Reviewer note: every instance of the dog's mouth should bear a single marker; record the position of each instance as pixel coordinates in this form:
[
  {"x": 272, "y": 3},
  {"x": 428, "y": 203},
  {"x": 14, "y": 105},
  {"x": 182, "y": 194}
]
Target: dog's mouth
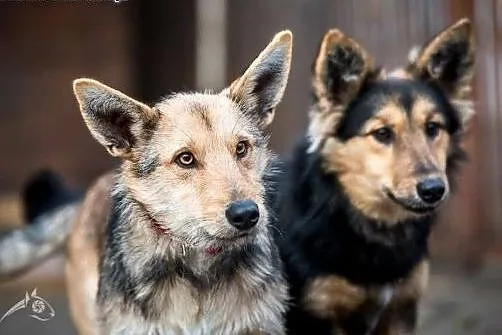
[
  {"x": 411, "y": 204},
  {"x": 236, "y": 237},
  {"x": 233, "y": 241}
]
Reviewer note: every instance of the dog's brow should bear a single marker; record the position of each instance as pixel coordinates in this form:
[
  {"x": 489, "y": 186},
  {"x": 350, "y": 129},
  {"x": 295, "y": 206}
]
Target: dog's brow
[{"x": 203, "y": 112}]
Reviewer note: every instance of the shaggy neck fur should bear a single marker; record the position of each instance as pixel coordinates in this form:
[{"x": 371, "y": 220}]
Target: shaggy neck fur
[{"x": 141, "y": 266}]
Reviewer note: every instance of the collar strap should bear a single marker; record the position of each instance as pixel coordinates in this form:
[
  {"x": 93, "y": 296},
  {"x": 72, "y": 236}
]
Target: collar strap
[{"x": 161, "y": 230}]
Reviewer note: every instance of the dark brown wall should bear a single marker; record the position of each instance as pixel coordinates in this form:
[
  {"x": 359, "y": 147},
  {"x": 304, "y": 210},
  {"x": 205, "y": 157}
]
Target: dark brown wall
[
  {"x": 143, "y": 48},
  {"x": 164, "y": 47},
  {"x": 44, "y": 47}
]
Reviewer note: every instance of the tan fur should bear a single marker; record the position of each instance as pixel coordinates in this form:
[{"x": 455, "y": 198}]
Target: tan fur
[
  {"x": 399, "y": 73},
  {"x": 366, "y": 168},
  {"x": 173, "y": 212},
  {"x": 333, "y": 297},
  {"x": 203, "y": 193},
  {"x": 83, "y": 251}
]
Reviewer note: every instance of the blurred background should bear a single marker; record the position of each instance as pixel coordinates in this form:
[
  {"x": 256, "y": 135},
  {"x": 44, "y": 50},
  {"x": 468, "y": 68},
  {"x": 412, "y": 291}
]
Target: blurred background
[{"x": 148, "y": 49}]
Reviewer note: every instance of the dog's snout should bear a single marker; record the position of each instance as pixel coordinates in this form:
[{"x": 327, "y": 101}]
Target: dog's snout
[
  {"x": 243, "y": 214},
  {"x": 431, "y": 190}
]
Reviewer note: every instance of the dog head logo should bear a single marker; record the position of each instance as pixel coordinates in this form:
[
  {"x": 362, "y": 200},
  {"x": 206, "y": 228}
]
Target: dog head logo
[{"x": 36, "y": 307}]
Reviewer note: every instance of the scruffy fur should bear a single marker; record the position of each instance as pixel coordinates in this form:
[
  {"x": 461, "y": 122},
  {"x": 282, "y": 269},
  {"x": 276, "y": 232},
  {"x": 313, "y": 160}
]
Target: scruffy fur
[
  {"x": 151, "y": 250},
  {"x": 354, "y": 228}
]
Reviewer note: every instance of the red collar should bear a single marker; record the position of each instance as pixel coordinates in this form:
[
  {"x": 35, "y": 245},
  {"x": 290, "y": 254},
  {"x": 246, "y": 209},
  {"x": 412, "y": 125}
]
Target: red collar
[{"x": 161, "y": 230}]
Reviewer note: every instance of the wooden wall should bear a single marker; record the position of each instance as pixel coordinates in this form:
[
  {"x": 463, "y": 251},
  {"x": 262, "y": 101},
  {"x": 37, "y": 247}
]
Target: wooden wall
[
  {"x": 488, "y": 18},
  {"x": 146, "y": 49},
  {"x": 44, "y": 47}
]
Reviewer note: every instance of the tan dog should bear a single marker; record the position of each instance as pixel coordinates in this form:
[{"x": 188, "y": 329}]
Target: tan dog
[{"x": 176, "y": 241}]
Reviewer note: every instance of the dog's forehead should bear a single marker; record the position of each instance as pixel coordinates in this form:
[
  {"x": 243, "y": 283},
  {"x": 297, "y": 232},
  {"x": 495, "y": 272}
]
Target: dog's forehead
[
  {"x": 397, "y": 97},
  {"x": 406, "y": 94},
  {"x": 199, "y": 114}
]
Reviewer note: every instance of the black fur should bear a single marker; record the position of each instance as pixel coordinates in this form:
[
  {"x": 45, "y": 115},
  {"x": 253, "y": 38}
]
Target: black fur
[
  {"x": 147, "y": 164},
  {"x": 337, "y": 238},
  {"x": 321, "y": 233},
  {"x": 44, "y": 192},
  {"x": 326, "y": 235},
  {"x": 373, "y": 95},
  {"x": 342, "y": 62}
]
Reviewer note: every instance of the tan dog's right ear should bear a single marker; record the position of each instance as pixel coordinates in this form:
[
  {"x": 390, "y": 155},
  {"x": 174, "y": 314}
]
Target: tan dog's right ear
[
  {"x": 114, "y": 119},
  {"x": 260, "y": 89},
  {"x": 340, "y": 68}
]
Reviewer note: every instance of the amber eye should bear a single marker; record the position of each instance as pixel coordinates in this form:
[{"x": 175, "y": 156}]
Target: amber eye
[
  {"x": 432, "y": 129},
  {"x": 186, "y": 160},
  {"x": 383, "y": 135},
  {"x": 241, "y": 149}
]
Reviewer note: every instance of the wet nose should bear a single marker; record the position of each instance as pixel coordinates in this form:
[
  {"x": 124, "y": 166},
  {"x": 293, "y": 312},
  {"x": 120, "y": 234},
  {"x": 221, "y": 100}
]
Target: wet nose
[
  {"x": 431, "y": 190},
  {"x": 243, "y": 214}
]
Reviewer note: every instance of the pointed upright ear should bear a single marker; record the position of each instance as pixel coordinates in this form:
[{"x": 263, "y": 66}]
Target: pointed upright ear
[
  {"x": 260, "y": 89},
  {"x": 115, "y": 120},
  {"x": 34, "y": 292},
  {"x": 448, "y": 61},
  {"x": 26, "y": 297},
  {"x": 340, "y": 69}
]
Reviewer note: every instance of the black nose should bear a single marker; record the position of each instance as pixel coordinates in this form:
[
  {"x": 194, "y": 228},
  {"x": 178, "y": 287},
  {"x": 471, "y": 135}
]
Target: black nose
[
  {"x": 431, "y": 190},
  {"x": 243, "y": 214}
]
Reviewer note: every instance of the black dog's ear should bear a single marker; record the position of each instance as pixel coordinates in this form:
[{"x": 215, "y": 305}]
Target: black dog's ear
[
  {"x": 448, "y": 61},
  {"x": 260, "y": 89},
  {"x": 115, "y": 120},
  {"x": 340, "y": 69}
]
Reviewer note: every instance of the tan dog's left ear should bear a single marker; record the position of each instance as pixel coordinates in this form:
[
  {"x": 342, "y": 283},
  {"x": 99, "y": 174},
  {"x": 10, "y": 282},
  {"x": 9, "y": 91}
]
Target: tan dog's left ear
[
  {"x": 448, "y": 61},
  {"x": 260, "y": 89},
  {"x": 115, "y": 120}
]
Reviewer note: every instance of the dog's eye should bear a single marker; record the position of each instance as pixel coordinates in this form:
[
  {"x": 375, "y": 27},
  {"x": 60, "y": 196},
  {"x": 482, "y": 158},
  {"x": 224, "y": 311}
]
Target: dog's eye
[
  {"x": 383, "y": 135},
  {"x": 432, "y": 129},
  {"x": 241, "y": 149},
  {"x": 185, "y": 160}
]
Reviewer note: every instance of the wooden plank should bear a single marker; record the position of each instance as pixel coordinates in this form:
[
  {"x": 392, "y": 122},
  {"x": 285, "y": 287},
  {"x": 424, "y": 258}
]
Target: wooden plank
[
  {"x": 45, "y": 47},
  {"x": 165, "y": 47}
]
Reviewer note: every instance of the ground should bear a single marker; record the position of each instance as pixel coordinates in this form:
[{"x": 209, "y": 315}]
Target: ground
[
  {"x": 456, "y": 303},
  {"x": 460, "y": 304}
]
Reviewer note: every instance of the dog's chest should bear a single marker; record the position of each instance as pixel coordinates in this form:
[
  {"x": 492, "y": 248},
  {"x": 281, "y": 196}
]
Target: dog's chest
[
  {"x": 334, "y": 298},
  {"x": 226, "y": 310},
  {"x": 351, "y": 306}
]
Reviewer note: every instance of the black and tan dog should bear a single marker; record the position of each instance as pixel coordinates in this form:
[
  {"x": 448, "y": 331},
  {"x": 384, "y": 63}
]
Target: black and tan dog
[
  {"x": 363, "y": 186},
  {"x": 178, "y": 240}
]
